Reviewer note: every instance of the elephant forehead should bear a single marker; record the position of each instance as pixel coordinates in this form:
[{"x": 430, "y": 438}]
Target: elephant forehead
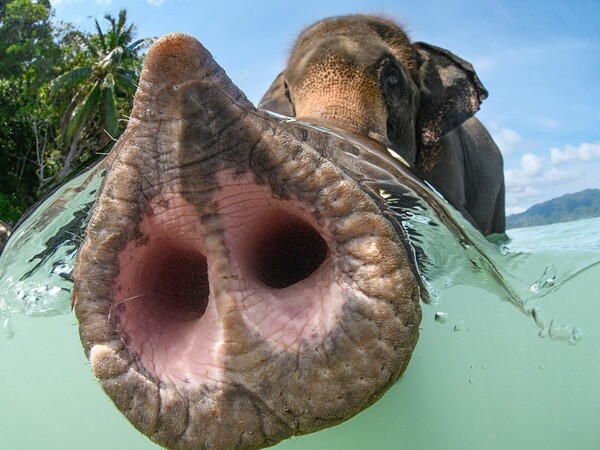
[
  {"x": 365, "y": 38},
  {"x": 333, "y": 68},
  {"x": 339, "y": 49}
]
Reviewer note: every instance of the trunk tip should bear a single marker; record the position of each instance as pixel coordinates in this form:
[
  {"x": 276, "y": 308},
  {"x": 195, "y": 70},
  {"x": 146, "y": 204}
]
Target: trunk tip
[{"x": 174, "y": 57}]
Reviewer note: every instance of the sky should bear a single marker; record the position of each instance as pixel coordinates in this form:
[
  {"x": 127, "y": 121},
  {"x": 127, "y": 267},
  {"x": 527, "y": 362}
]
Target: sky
[{"x": 539, "y": 60}]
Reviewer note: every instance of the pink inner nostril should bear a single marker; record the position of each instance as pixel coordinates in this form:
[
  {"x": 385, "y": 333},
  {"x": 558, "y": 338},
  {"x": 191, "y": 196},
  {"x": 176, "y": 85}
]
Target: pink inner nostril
[
  {"x": 271, "y": 268},
  {"x": 284, "y": 250},
  {"x": 176, "y": 281},
  {"x": 162, "y": 285},
  {"x": 164, "y": 307}
]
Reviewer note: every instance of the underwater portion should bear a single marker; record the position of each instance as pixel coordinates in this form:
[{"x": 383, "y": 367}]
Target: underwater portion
[{"x": 480, "y": 377}]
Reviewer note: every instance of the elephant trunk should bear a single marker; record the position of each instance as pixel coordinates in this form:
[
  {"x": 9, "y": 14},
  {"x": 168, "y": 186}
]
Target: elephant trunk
[{"x": 234, "y": 287}]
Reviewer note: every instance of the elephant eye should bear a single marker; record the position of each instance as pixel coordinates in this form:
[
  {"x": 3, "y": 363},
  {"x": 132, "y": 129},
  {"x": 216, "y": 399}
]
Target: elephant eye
[{"x": 391, "y": 77}]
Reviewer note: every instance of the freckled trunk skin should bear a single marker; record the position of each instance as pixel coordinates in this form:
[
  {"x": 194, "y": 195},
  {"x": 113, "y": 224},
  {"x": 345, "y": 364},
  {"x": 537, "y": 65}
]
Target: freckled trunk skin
[{"x": 192, "y": 136}]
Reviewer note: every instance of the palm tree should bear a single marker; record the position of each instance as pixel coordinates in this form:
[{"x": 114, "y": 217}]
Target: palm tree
[{"x": 103, "y": 88}]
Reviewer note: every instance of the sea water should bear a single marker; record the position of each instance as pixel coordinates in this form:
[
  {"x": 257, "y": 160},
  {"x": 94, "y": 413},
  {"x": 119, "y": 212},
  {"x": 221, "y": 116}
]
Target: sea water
[{"x": 507, "y": 356}]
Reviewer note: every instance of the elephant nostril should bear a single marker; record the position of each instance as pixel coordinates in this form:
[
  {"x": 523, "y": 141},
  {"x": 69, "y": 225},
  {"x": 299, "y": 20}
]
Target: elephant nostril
[
  {"x": 161, "y": 291},
  {"x": 286, "y": 251},
  {"x": 181, "y": 282},
  {"x": 177, "y": 282}
]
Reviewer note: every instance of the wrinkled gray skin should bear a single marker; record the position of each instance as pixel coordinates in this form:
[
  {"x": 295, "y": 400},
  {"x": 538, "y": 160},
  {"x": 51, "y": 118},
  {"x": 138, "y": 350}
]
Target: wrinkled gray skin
[
  {"x": 237, "y": 285},
  {"x": 362, "y": 73}
]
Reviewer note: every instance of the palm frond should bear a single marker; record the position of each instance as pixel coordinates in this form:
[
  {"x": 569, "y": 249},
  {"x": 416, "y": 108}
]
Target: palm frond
[
  {"x": 122, "y": 22},
  {"x": 110, "y": 108},
  {"x": 90, "y": 46},
  {"x": 126, "y": 81},
  {"x": 140, "y": 44},
  {"x": 82, "y": 112},
  {"x": 100, "y": 36},
  {"x": 113, "y": 76},
  {"x": 112, "y": 59},
  {"x": 71, "y": 78}
]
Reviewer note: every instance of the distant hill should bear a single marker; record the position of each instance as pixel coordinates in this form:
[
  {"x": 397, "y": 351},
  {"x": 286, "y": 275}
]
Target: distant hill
[{"x": 581, "y": 205}]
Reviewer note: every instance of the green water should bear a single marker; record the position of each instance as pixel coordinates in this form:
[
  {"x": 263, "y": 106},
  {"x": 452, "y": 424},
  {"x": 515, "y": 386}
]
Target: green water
[{"x": 483, "y": 379}]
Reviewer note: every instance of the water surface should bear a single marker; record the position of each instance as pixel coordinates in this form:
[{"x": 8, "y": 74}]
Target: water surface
[{"x": 507, "y": 356}]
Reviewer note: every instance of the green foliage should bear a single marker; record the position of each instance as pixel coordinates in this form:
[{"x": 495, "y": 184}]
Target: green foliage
[
  {"x": 11, "y": 208},
  {"x": 581, "y": 205},
  {"x": 26, "y": 45},
  {"x": 102, "y": 89},
  {"x": 63, "y": 95}
]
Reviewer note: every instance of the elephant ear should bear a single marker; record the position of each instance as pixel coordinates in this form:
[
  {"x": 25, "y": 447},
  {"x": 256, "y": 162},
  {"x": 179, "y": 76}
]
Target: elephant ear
[
  {"x": 451, "y": 92},
  {"x": 276, "y": 99}
]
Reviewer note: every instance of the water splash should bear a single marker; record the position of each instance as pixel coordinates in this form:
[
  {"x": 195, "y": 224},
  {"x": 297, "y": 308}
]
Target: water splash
[
  {"x": 440, "y": 317},
  {"x": 37, "y": 263},
  {"x": 444, "y": 249},
  {"x": 460, "y": 326},
  {"x": 545, "y": 282},
  {"x": 554, "y": 330},
  {"x": 7, "y": 329}
]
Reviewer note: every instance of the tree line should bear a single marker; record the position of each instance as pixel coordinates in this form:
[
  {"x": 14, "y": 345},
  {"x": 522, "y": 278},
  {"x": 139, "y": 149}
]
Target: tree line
[{"x": 65, "y": 93}]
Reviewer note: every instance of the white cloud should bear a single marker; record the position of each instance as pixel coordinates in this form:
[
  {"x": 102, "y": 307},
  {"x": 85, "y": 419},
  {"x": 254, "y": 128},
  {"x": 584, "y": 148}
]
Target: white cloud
[
  {"x": 538, "y": 177},
  {"x": 507, "y": 140},
  {"x": 155, "y": 2},
  {"x": 514, "y": 210},
  {"x": 520, "y": 196},
  {"x": 104, "y": 2},
  {"x": 584, "y": 152},
  {"x": 531, "y": 165},
  {"x": 555, "y": 175},
  {"x": 527, "y": 182},
  {"x": 531, "y": 168}
]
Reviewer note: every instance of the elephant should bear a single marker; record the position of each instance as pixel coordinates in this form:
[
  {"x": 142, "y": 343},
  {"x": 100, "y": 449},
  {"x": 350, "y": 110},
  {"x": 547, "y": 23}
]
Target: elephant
[
  {"x": 238, "y": 283},
  {"x": 362, "y": 73},
  {"x": 244, "y": 278}
]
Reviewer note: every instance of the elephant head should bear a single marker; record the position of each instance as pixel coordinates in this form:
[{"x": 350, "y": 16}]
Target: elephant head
[
  {"x": 236, "y": 285},
  {"x": 362, "y": 73}
]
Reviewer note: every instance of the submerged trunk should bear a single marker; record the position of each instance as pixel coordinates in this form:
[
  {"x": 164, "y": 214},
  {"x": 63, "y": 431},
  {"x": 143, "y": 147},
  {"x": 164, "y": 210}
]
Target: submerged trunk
[{"x": 236, "y": 287}]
